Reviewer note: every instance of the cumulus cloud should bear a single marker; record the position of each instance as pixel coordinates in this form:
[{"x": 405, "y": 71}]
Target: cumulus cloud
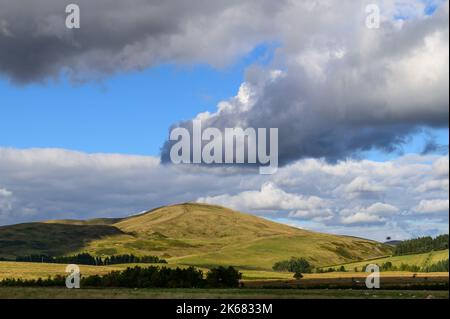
[
  {"x": 434, "y": 185},
  {"x": 368, "y": 215},
  {"x": 362, "y": 219},
  {"x": 337, "y": 88},
  {"x": 39, "y": 184},
  {"x": 441, "y": 167},
  {"x": 433, "y": 206},
  {"x": 361, "y": 186},
  {"x": 271, "y": 198},
  {"x": 381, "y": 209},
  {"x": 318, "y": 214}
]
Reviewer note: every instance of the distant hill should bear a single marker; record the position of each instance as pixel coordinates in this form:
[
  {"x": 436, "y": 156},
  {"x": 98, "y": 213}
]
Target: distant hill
[{"x": 193, "y": 234}]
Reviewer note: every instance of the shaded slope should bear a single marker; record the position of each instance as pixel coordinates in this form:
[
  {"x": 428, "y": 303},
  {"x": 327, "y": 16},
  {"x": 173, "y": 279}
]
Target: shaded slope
[{"x": 49, "y": 239}]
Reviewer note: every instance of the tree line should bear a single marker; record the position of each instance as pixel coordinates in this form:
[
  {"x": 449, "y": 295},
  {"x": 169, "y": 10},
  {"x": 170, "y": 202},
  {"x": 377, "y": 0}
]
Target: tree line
[
  {"x": 440, "y": 266},
  {"x": 422, "y": 245},
  {"x": 137, "y": 277},
  {"x": 88, "y": 259}
]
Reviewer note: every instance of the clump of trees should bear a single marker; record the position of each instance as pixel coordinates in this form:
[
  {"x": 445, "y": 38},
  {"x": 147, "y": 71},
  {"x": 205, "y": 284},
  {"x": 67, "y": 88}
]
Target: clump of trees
[
  {"x": 222, "y": 277},
  {"x": 57, "y": 281},
  {"x": 422, "y": 245},
  {"x": 325, "y": 270},
  {"x": 88, "y": 259},
  {"x": 331, "y": 269},
  {"x": 131, "y": 259},
  {"x": 441, "y": 266},
  {"x": 151, "y": 277},
  {"x": 294, "y": 265}
]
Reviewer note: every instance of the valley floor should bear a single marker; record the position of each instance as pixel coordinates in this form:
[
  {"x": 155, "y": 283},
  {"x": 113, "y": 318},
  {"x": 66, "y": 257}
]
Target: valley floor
[{"x": 63, "y": 293}]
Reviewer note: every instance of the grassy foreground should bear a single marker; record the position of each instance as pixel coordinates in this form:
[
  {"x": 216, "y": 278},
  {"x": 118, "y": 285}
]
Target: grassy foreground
[
  {"x": 63, "y": 293},
  {"x": 26, "y": 270}
]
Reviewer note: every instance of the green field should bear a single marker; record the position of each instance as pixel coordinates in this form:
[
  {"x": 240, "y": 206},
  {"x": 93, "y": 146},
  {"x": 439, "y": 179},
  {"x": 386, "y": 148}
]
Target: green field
[
  {"x": 421, "y": 260},
  {"x": 63, "y": 293}
]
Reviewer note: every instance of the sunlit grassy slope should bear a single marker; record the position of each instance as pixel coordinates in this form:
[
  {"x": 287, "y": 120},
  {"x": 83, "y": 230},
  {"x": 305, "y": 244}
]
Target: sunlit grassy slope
[
  {"x": 421, "y": 260},
  {"x": 189, "y": 234}
]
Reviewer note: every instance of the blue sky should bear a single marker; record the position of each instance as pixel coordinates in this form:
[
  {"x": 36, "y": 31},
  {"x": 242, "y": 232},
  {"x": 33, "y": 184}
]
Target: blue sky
[{"x": 129, "y": 113}]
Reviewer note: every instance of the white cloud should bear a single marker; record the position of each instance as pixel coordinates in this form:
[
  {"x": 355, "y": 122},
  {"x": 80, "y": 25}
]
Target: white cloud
[
  {"x": 314, "y": 213},
  {"x": 374, "y": 214},
  {"x": 381, "y": 209},
  {"x": 441, "y": 167},
  {"x": 434, "y": 185},
  {"x": 362, "y": 218},
  {"x": 432, "y": 206},
  {"x": 269, "y": 198},
  {"x": 38, "y": 184},
  {"x": 362, "y": 185}
]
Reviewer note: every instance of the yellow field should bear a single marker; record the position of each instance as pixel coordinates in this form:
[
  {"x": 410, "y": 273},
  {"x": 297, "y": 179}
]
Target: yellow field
[
  {"x": 25, "y": 270},
  {"x": 42, "y": 270}
]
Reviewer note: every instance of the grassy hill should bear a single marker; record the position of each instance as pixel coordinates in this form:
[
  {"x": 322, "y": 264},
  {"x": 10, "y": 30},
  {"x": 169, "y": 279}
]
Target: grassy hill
[{"x": 189, "y": 234}]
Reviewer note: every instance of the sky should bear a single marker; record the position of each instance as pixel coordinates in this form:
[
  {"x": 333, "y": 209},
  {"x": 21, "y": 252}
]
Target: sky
[{"x": 85, "y": 114}]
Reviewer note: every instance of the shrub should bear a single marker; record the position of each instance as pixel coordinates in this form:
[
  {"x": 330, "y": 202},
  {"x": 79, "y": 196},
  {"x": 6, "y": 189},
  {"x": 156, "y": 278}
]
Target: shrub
[
  {"x": 222, "y": 277},
  {"x": 294, "y": 265}
]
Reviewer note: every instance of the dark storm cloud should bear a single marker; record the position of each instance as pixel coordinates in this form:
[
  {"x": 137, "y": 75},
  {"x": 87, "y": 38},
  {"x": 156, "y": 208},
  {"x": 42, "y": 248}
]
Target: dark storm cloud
[
  {"x": 346, "y": 90},
  {"x": 343, "y": 88},
  {"x": 433, "y": 147},
  {"x": 125, "y": 35}
]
